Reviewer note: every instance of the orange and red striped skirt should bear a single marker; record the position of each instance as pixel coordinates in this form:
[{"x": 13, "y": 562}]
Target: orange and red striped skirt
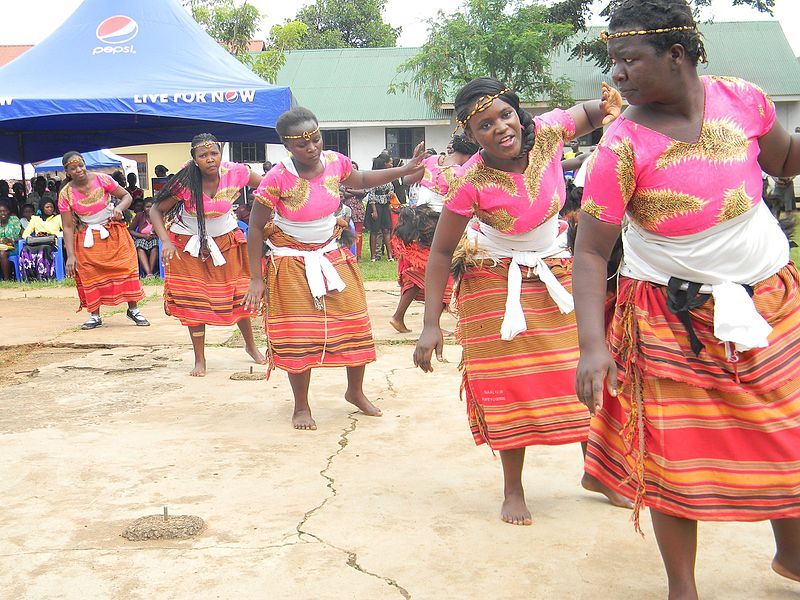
[
  {"x": 411, "y": 262},
  {"x": 303, "y": 334},
  {"x": 198, "y": 293},
  {"x": 107, "y": 274},
  {"x": 519, "y": 392},
  {"x": 701, "y": 437}
]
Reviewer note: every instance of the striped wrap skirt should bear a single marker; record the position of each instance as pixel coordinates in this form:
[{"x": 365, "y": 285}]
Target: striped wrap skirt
[
  {"x": 199, "y": 293},
  {"x": 303, "y": 333},
  {"x": 107, "y": 274},
  {"x": 519, "y": 392},
  {"x": 411, "y": 262},
  {"x": 713, "y": 436}
]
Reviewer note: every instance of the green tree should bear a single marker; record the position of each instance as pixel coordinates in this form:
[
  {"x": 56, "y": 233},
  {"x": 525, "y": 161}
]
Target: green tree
[
  {"x": 346, "y": 24},
  {"x": 282, "y": 39},
  {"x": 507, "y": 39}
]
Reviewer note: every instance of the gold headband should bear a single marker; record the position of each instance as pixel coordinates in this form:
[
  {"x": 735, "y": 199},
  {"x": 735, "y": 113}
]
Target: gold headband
[
  {"x": 74, "y": 160},
  {"x": 481, "y": 105},
  {"x": 204, "y": 144},
  {"x": 605, "y": 36},
  {"x": 306, "y": 135}
]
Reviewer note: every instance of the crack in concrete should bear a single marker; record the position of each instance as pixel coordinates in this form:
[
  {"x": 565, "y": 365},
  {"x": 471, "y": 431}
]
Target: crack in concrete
[{"x": 352, "y": 557}]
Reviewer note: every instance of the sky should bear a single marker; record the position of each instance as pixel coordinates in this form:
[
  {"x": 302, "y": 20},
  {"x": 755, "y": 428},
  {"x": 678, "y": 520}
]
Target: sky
[{"x": 31, "y": 21}]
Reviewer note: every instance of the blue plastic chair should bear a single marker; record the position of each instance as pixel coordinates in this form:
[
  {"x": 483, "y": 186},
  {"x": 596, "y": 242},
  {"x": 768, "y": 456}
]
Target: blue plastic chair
[
  {"x": 58, "y": 259},
  {"x": 243, "y": 226},
  {"x": 354, "y": 247},
  {"x": 160, "y": 262},
  {"x": 14, "y": 260}
]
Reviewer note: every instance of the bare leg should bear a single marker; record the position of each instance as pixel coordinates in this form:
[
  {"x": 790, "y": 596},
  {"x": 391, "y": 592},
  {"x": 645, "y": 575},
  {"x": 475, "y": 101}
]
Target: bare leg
[
  {"x": 355, "y": 392},
  {"x": 593, "y": 484},
  {"x": 514, "y": 509},
  {"x": 198, "y": 335},
  {"x": 387, "y": 242},
  {"x": 406, "y": 298},
  {"x": 677, "y": 541},
  {"x": 373, "y": 243},
  {"x": 787, "y": 548},
  {"x": 153, "y": 257},
  {"x": 5, "y": 264},
  {"x": 301, "y": 419},
  {"x": 144, "y": 262},
  {"x": 246, "y": 327}
]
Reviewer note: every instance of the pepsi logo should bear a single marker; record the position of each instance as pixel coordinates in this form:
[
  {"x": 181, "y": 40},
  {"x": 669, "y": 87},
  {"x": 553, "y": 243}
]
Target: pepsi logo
[
  {"x": 231, "y": 96},
  {"x": 117, "y": 30}
]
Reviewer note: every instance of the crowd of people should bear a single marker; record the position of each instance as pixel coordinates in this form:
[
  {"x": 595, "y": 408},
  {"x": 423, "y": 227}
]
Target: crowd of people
[{"x": 646, "y": 309}]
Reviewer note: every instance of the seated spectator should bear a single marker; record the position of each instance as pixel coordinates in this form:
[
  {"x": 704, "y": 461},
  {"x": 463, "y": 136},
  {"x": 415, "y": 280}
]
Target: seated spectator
[
  {"x": 20, "y": 198},
  {"x": 5, "y": 193},
  {"x": 134, "y": 190},
  {"x": 119, "y": 177},
  {"x": 10, "y": 230},
  {"x": 266, "y": 166},
  {"x": 145, "y": 240},
  {"x": 46, "y": 223},
  {"x": 27, "y": 212},
  {"x": 39, "y": 193},
  {"x": 37, "y": 259}
]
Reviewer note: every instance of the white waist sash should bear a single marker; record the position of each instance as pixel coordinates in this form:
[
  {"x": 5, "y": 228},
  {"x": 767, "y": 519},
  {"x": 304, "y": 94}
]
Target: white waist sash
[
  {"x": 96, "y": 222},
  {"x": 187, "y": 225},
  {"x": 431, "y": 198},
  {"x": 741, "y": 251},
  {"x": 529, "y": 250},
  {"x": 321, "y": 275}
]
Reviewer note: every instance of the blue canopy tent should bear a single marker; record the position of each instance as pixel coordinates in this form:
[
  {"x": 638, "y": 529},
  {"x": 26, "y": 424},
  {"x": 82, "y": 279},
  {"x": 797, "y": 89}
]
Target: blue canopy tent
[
  {"x": 96, "y": 159},
  {"x": 130, "y": 72}
]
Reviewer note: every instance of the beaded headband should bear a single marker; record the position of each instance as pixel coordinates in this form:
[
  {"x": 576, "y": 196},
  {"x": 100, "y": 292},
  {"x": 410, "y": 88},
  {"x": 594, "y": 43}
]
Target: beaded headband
[
  {"x": 74, "y": 160},
  {"x": 306, "y": 135},
  {"x": 481, "y": 105},
  {"x": 205, "y": 144},
  {"x": 605, "y": 36}
]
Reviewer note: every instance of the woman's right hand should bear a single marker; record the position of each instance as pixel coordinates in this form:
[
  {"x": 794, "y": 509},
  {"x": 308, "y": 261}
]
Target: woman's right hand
[
  {"x": 168, "y": 252},
  {"x": 254, "y": 297},
  {"x": 429, "y": 340},
  {"x": 595, "y": 369},
  {"x": 69, "y": 268}
]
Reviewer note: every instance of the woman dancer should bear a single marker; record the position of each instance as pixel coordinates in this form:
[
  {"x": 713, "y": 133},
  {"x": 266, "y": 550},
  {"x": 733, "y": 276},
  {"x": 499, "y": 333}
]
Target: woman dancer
[
  {"x": 100, "y": 253},
  {"x": 413, "y": 235},
  {"x": 206, "y": 272},
  {"x": 705, "y": 334},
  {"x": 518, "y": 367},
  {"x": 316, "y": 306}
]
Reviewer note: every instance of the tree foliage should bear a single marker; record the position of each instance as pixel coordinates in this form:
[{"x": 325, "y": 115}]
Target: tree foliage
[
  {"x": 346, "y": 24},
  {"x": 507, "y": 39},
  {"x": 282, "y": 39}
]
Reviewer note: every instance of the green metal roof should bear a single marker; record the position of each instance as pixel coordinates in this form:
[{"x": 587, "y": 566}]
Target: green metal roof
[{"x": 349, "y": 85}]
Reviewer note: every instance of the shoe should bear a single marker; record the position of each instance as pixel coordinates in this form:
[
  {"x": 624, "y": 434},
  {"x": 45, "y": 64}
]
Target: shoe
[
  {"x": 391, "y": 260},
  {"x": 137, "y": 318},
  {"x": 375, "y": 258},
  {"x": 92, "y": 323}
]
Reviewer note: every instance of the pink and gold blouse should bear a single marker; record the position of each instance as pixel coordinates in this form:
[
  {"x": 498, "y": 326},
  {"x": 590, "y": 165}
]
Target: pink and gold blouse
[
  {"x": 298, "y": 199},
  {"x": 437, "y": 177},
  {"x": 70, "y": 199},
  {"x": 676, "y": 188},
  {"x": 232, "y": 178},
  {"x": 515, "y": 203}
]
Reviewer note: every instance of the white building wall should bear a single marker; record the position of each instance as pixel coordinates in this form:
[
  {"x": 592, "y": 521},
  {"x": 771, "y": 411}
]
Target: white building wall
[{"x": 788, "y": 114}]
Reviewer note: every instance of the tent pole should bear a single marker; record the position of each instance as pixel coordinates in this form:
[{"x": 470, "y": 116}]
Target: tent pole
[{"x": 21, "y": 148}]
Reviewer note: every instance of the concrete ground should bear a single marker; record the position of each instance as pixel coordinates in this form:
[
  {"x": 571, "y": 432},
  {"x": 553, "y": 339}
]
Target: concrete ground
[{"x": 99, "y": 428}]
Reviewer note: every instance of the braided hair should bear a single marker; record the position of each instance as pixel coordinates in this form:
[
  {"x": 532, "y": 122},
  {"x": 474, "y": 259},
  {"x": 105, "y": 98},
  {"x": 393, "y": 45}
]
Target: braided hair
[
  {"x": 469, "y": 95},
  {"x": 661, "y": 14},
  {"x": 292, "y": 119},
  {"x": 462, "y": 145},
  {"x": 189, "y": 178}
]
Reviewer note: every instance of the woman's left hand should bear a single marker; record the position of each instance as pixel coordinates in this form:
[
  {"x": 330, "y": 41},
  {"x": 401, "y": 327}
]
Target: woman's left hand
[
  {"x": 414, "y": 164},
  {"x": 611, "y": 103},
  {"x": 116, "y": 214}
]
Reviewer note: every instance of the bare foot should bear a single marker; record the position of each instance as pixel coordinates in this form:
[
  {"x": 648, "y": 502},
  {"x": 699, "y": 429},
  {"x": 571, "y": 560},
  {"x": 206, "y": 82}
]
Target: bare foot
[
  {"x": 199, "y": 369},
  {"x": 593, "y": 484},
  {"x": 515, "y": 511},
  {"x": 256, "y": 355},
  {"x": 365, "y": 406},
  {"x": 783, "y": 571},
  {"x": 399, "y": 325},
  {"x": 302, "y": 419}
]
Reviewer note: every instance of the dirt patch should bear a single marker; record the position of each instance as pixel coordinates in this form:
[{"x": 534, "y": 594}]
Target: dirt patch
[
  {"x": 19, "y": 363},
  {"x": 163, "y": 527}
]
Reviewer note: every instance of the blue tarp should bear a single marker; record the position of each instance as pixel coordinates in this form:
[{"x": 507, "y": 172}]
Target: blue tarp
[
  {"x": 93, "y": 160},
  {"x": 130, "y": 72}
]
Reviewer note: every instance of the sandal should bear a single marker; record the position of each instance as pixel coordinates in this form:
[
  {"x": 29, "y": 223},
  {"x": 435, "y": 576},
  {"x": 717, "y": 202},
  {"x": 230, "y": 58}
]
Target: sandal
[
  {"x": 137, "y": 318},
  {"x": 92, "y": 323}
]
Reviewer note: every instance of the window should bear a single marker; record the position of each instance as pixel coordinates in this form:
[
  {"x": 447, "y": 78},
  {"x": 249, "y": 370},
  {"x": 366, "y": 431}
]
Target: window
[
  {"x": 401, "y": 141},
  {"x": 141, "y": 169},
  {"x": 337, "y": 140},
  {"x": 248, "y": 152}
]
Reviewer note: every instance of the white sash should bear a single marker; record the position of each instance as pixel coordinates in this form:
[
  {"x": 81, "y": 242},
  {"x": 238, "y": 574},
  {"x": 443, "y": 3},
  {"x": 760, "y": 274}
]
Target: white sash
[
  {"x": 529, "y": 250},
  {"x": 187, "y": 225},
  {"x": 741, "y": 251},
  {"x": 97, "y": 222},
  {"x": 321, "y": 275},
  {"x": 431, "y": 198}
]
